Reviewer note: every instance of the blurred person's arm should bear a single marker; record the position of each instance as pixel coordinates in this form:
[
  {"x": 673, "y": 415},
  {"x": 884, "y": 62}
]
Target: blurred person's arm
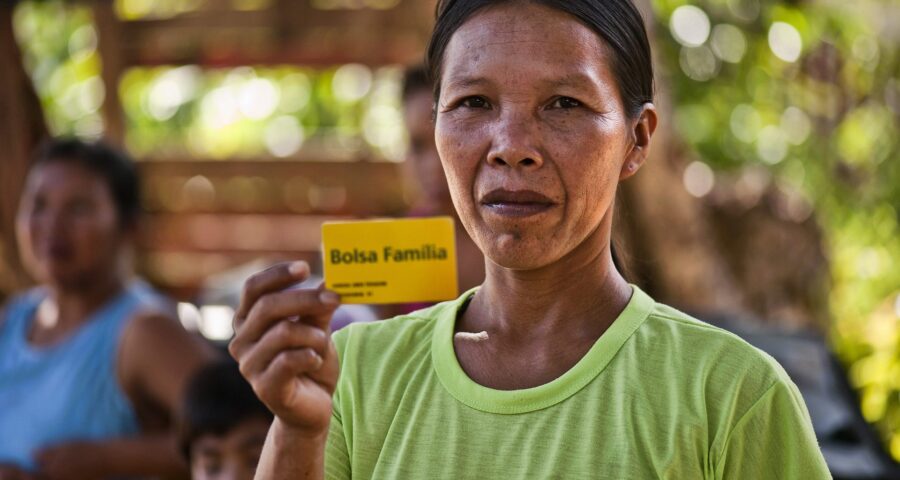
[
  {"x": 12, "y": 472},
  {"x": 146, "y": 455},
  {"x": 156, "y": 359}
]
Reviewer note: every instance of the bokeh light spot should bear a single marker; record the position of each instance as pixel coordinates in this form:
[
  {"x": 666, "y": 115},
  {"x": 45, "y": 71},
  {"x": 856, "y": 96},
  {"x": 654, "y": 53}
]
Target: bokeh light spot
[
  {"x": 785, "y": 41},
  {"x": 698, "y": 179},
  {"x": 689, "y": 25}
]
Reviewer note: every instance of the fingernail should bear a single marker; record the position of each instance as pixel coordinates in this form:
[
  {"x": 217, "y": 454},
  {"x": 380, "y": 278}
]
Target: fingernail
[
  {"x": 298, "y": 268},
  {"x": 329, "y": 298}
]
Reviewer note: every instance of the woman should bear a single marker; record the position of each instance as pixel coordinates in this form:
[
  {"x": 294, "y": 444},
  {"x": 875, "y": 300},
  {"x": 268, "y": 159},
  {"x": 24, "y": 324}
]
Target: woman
[
  {"x": 555, "y": 367},
  {"x": 423, "y": 168},
  {"x": 92, "y": 366}
]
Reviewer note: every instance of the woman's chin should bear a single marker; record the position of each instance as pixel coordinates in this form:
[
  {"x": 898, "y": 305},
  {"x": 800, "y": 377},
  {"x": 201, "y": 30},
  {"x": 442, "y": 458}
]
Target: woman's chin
[
  {"x": 520, "y": 255},
  {"x": 65, "y": 276}
]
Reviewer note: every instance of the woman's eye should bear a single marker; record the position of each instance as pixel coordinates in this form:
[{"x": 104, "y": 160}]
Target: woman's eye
[
  {"x": 38, "y": 205},
  {"x": 475, "y": 102},
  {"x": 565, "y": 102}
]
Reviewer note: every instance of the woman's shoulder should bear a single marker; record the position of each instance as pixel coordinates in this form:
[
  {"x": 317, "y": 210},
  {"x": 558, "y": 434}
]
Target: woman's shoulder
[
  {"x": 147, "y": 301},
  {"x": 711, "y": 354},
  {"x": 20, "y": 305},
  {"x": 681, "y": 327},
  {"x": 31, "y": 296},
  {"x": 746, "y": 398}
]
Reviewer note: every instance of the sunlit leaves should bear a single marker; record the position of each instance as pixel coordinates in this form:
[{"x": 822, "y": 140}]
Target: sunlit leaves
[{"x": 809, "y": 93}]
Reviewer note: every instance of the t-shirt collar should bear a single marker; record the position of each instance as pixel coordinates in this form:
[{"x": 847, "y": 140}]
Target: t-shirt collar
[{"x": 479, "y": 397}]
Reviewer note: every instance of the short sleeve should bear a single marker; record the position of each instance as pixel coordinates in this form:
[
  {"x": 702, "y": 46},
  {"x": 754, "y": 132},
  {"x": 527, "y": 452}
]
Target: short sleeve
[
  {"x": 337, "y": 454},
  {"x": 337, "y": 459},
  {"x": 774, "y": 439}
]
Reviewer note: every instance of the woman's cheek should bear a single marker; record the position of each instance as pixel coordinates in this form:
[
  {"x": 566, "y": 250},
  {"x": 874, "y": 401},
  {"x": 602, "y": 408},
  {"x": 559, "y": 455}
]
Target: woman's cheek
[
  {"x": 459, "y": 143},
  {"x": 27, "y": 233},
  {"x": 94, "y": 230}
]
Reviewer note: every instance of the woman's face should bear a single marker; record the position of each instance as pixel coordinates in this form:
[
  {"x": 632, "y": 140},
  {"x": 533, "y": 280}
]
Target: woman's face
[
  {"x": 532, "y": 133},
  {"x": 424, "y": 165},
  {"x": 67, "y": 225}
]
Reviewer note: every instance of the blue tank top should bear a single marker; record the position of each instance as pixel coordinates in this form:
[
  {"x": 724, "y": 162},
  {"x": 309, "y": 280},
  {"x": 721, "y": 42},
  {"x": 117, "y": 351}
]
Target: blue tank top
[{"x": 68, "y": 391}]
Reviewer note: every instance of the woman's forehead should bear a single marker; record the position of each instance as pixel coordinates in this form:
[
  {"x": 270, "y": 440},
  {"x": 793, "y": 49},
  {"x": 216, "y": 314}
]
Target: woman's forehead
[
  {"x": 63, "y": 176},
  {"x": 543, "y": 44}
]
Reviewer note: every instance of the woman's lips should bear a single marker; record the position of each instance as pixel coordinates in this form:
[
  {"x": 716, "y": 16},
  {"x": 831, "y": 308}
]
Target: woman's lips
[
  {"x": 518, "y": 209},
  {"x": 516, "y": 203}
]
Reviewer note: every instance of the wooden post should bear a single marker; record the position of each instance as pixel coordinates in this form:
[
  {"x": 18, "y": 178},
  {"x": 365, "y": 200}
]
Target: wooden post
[
  {"x": 21, "y": 128},
  {"x": 109, "y": 45}
]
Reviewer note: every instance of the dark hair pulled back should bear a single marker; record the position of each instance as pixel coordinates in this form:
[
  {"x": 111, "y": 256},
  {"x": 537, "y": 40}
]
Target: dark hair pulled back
[{"x": 617, "y": 22}]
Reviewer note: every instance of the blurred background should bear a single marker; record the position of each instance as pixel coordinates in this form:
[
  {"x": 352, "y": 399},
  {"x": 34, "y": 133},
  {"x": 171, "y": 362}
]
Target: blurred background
[{"x": 771, "y": 202}]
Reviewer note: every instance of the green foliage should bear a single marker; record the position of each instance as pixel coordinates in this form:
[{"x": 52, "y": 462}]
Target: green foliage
[
  {"x": 335, "y": 113},
  {"x": 825, "y": 122},
  {"x": 345, "y": 112},
  {"x": 59, "y": 48}
]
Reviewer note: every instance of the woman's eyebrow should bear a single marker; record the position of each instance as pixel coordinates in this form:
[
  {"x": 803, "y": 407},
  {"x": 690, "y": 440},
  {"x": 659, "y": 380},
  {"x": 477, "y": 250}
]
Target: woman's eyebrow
[
  {"x": 466, "y": 82},
  {"x": 571, "y": 80}
]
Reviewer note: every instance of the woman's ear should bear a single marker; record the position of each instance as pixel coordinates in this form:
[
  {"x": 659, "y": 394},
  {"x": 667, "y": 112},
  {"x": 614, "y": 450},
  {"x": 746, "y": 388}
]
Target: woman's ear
[{"x": 642, "y": 131}]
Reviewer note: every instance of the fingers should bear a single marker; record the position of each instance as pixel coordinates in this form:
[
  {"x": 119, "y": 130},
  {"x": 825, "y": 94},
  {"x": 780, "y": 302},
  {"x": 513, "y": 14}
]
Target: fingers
[
  {"x": 287, "y": 366},
  {"x": 307, "y": 304},
  {"x": 291, "y": 363},
  {"x": 311, "y": 306},
  {"x": 327, "y": 375},
  {"x": 274, "y": 278},
  {"x": 286, "y": 336}
]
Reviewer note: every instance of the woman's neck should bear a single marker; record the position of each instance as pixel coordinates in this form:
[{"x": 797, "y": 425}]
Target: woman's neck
[
  {"x": 526, "y": 328},
  {"x": 75, "y": 303},
  {"x": 580, "y": 294}
]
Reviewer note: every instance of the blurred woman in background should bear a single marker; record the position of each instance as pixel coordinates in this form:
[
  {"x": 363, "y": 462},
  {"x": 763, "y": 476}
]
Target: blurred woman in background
[
  {"x": 425, "y": 174},
  {"x": 92, "y": 363}
]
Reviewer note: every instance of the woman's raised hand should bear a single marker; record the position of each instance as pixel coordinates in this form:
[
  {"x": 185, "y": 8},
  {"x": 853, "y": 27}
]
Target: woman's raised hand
[{"x": 283, "y": 345}]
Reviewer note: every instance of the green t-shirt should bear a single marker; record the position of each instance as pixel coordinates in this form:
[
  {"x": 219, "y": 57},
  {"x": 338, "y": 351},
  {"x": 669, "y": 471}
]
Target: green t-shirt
[{"x": 659, "y": 395}]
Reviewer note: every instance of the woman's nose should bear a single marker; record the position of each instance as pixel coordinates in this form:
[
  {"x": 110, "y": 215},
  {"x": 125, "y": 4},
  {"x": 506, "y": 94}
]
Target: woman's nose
[{"x": 515, "y": 141}]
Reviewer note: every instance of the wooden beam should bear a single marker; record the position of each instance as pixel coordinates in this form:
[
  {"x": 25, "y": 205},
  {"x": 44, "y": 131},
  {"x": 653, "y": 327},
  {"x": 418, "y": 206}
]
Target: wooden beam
[
  {"x": 279, "y": 187},
  {"x": 290, "y": 32}
]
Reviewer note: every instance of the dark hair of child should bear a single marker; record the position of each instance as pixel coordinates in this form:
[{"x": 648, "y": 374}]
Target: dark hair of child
[{"x": 217, "y": 399}]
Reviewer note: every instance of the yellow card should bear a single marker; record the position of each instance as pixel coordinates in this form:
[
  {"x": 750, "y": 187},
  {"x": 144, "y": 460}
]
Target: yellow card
[{"x": 391, "y": 261}]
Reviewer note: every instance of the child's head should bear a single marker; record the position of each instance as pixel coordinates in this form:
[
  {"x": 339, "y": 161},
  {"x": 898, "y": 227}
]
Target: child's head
[{"x": 225, "y": 425}]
